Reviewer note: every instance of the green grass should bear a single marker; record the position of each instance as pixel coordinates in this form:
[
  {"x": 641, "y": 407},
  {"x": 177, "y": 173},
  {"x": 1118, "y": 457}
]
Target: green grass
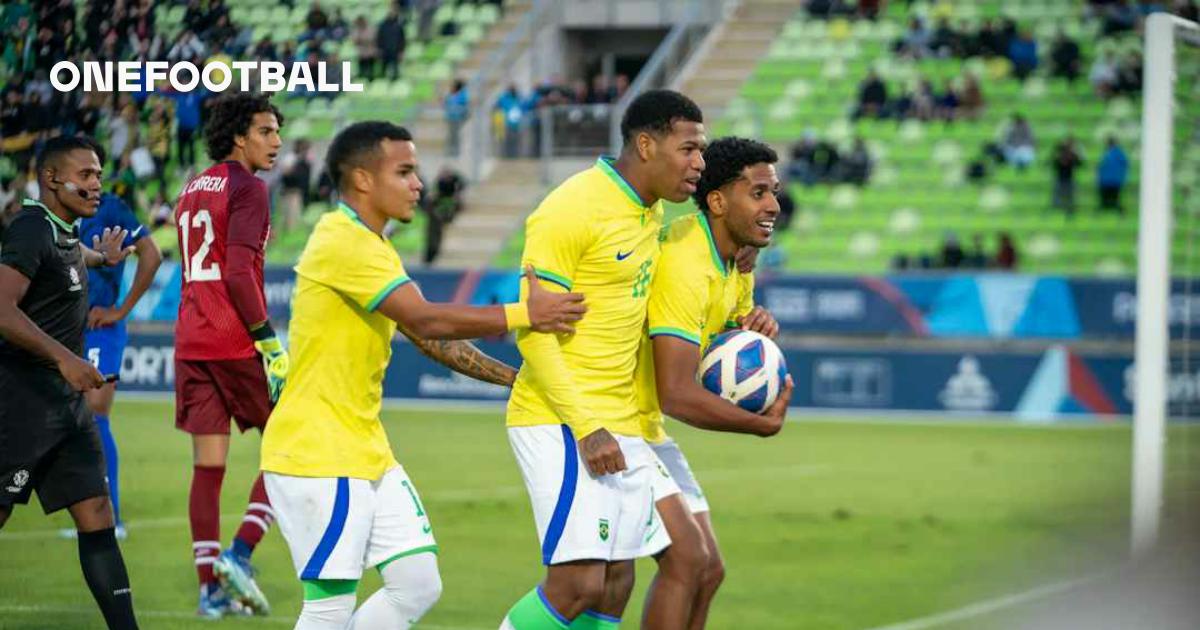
[{"x": 828, "y": 525}]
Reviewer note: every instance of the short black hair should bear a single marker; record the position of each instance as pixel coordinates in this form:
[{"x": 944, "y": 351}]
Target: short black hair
[
  {"x": 58, "y": 146},
  {"x": 724, "y": 161},
  {"x": 358, "y": 144},
  {"x": 655, "y": 111},
  {"x": 231, "y": 116}
]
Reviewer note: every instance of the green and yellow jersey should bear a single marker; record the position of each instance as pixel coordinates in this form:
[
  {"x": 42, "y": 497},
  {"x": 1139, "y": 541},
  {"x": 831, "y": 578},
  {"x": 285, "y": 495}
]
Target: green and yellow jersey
[
  {"x": 695, "y": 296},
  {"x": 592, "y": 235}
]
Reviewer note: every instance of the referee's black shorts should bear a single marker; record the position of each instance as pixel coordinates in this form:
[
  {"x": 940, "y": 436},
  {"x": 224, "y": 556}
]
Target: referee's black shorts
[{"x": 48, "y": 441}]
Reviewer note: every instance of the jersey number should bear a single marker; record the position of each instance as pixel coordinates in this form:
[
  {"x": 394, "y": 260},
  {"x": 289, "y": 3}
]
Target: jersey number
[{"x": 193, "y": 266}]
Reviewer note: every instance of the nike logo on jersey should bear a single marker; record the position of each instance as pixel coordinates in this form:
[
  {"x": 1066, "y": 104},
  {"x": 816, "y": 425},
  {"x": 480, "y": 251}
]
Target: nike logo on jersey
[
  {"x": 623, "y": 256},
  {"x": 136, "y": 232}
]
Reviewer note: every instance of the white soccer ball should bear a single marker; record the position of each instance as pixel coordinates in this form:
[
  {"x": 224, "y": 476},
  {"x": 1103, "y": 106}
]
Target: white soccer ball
[{"x": 745, "y": 368}]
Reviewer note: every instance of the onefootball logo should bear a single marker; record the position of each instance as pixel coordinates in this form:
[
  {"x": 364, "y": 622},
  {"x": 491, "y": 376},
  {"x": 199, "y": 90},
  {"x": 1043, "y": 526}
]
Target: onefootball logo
[{"x": 217, "y": 76}]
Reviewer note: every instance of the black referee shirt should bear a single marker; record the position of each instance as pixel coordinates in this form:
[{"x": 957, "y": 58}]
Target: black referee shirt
[{"x": 46, "y": 250}]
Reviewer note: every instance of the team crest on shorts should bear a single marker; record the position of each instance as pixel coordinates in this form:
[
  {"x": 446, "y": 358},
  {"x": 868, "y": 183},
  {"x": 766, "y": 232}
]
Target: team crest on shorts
[
  {"x": 604, "y": 529},
  {"x": 19, "y": 479}
]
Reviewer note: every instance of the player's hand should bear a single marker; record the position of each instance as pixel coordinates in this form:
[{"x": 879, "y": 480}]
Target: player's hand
[
  {"x": 276, "y": 364},
  {"x": 551, "y": 312},
  {"x": 773, "y": 417},
  {"x": 746, "y": 259},
  {"x": 103, "y": 317},
  {"x": 601, "y": 453},
  {"x": 82, "y": 375},
  {"x": 761, "y": 321},
  {"x": 108, "y": 245}
]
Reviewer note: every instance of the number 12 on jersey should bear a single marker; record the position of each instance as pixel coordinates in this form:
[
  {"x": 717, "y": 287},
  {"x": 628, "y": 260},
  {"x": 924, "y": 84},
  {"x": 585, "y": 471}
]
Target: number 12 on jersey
[{"x": 194, "y": 269}]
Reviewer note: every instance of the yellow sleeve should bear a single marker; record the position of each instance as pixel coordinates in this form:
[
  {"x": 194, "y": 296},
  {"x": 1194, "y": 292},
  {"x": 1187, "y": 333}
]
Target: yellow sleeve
[
  {"x": 363, "y": 271},
  {"x": 554, "y": 244},
  {"x": 745, "y": 295},
  {"x": 677, "y": 301},
  {"x": 555, "y": 240}
]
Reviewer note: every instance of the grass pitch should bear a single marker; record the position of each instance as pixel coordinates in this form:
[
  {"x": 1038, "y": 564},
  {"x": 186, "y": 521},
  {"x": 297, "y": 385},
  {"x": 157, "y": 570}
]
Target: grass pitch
[{"x": 828, "y": 525}]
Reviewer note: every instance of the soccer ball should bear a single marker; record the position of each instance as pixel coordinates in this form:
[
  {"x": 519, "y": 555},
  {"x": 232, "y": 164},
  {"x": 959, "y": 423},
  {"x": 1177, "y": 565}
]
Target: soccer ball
[{"x": 745, "y": 368}]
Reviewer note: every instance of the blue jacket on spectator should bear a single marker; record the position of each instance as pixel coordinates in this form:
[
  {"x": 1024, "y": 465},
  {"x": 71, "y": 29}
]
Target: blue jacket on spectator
[
  {"x": 1023, "y": 53},
  {"x": 1114, "y": 167}
]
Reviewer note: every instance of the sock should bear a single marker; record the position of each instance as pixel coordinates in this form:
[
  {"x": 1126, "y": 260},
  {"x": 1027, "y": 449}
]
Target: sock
[
  {"x": 411, "y": 586},
  {"x": 534, "y": 612},
  {"x": 104, "y": 570},
  {"x": 256, "y": 522},
  {"x": 328, "y": 604},
  {"x": 592, "y": 620},
  {"x": 204, "y": 511},
  {"x": 111, "y": 462}
]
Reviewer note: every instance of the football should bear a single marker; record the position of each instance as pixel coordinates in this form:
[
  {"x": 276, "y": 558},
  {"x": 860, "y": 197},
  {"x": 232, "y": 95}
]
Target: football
[{"x": 745, "y": 368}]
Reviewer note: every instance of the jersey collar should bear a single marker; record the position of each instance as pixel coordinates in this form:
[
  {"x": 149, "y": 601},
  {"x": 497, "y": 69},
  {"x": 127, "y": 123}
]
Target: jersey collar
[
  {"x": 345, "y": 209},
  {"x": 712, "y": 244},
  {"x": 54, "y": 218},
  {"x": 606, "y": 164}
]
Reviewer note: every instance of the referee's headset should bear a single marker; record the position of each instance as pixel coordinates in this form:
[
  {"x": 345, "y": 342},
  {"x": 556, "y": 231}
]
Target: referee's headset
[{"x": 73, "y": 187}]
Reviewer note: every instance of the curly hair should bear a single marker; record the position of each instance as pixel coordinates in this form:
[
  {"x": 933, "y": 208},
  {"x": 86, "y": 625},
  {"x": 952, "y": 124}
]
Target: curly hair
[
  {"x": 725, "y": 159},
  {"x": 231, "y": 116},
  {"x": 655, "y": 111}
]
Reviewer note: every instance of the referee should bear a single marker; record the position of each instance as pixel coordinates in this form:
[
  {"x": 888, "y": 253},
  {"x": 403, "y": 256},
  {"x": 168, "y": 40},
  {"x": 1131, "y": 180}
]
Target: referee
[{"x": 48, "y": 441}]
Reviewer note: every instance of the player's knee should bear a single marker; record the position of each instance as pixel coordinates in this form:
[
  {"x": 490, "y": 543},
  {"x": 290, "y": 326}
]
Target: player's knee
[
  {"x": 714, "y": 573},
  {"x": 686, "y": 561},
  {"x": 588, "y": 591},
  {"x": 413, "y": 584},
  {"x": 326, "y": 612}
]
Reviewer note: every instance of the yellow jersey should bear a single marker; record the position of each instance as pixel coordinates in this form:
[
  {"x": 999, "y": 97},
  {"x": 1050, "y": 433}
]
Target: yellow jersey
[
  {"x": 592, "y": 235},
  {"x": 326, "y": 423},
  {"x": 695, "y": 296}
]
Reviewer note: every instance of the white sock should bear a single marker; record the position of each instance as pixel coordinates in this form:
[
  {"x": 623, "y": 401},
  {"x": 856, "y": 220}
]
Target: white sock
[
  {"x": 411, "y": 586},
  {"x": 329, "y": 613},
  {"x": 506, "y": 625}
]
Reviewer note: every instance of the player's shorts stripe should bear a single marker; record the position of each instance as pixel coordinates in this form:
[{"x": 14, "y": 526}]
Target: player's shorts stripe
[
  {"x": 550, "y": 276},
  {"x": 392, "y": 286},
  {"x": 667, "y": 331},
  {"x": 566, "y": 496},
  {"x": 341, "y": 507}
]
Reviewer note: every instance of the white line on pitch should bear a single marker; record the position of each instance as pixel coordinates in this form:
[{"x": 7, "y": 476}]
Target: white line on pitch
[
  {"x": 177, "y": 614},
  {"x": 990, "y": 605}
]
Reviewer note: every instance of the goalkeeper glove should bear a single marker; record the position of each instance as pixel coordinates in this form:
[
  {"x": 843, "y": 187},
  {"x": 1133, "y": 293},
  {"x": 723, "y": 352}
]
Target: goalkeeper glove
[{"x": 275, "y": 358}]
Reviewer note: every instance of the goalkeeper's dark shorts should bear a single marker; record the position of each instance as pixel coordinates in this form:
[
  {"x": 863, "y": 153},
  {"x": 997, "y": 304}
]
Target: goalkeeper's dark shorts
[
  {"x": 209, "y": 393},
  {"x": 48, "y": 440}
]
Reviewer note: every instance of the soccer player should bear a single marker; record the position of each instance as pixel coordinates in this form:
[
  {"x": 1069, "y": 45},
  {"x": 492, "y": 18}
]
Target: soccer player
[
  {"x": 48, "y": 441},
  {"x": 105, "y": 338},
  {"x": 699, "y": 292},
  {"x": 573, "y": 416},
  {"x": 342, "y": 500},
  {"x": 223, "y": 219}
]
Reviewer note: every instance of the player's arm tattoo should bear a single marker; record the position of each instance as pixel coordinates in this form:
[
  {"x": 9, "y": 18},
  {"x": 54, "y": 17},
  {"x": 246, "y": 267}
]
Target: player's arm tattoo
[{"x": 463, "y": 357}]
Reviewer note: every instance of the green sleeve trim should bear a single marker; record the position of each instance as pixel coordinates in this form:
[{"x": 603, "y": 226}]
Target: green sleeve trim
[
  {"x": 382, "y": 295},
  {"x": 668, "y": 331},
  {"x": 324, "y": 589},
  {"x": 732, "y": 324},
  {"x": 550, "y": 276},
  {"x": 411, "y": 552}
]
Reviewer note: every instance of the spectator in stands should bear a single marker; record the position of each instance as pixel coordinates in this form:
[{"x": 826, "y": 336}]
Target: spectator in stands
[
  {"x": 122, "y": 134},
  {"x": 1186, "y": 9},
  {"x": 1023, "y": 53},
  {"x": 1103, "y": 75},
  {"x": 977, "y": 170},
  {"x": 824, "y": 9},
  {"x": 296, "y": 169},
  {"x": 1006, "y": 253},
  {"x": 856, "y": 165},
  {"x": 1129, "y": 75},
  {"x": 1018, "y": 144},
  {"x": 425, "y": 12},
  {"x": 945, "y": 41},
  {"x": 872, "y": 97},
  {"x": 948, "y": 102},
  {"x": 869, "y": 9},
  {"x": 802, "y": 165},
  {"x": 1066, "y": 161},
  {"x": 457, "y": 106},
  {"x": 952, "y": 251},
  {"x": 971, "y": 103},
  {"x": 1111, "y": 174},
  {"x": 988, "y": 42},
  {"x": 186, "y": 47},
  {"x": 188, "y": 111},
  {"x": 511, "y": 108},
  {"x": 265, "y": 50},
  {"x": 442, "y": 206},
  {"x": 787, "y": 207},
  {"x": 390, "y": 38},
  {"x": 363, "y": 37},
  {"x": 1064, "y": 58},
  {"x": 977, "y": 258},
  {"x": 826, "y": 161},
  {"x": 159, "y": 124},
  {"x": 1119, "y": 17},
  {"x": 915, "y": 41},
  {"x": 922, "y": 102},
  {"x": 316, "y": 22}
]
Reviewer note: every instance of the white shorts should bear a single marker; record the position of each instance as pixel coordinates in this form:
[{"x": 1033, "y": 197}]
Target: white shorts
[
  {"x": 581, "y": 517},
  {"x": 672, "y": 457},
  {"x": 336, "y": 526}
]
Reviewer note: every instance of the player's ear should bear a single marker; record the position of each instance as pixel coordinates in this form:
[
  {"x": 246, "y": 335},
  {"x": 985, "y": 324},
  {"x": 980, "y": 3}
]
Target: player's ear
[
  {"x": 716, "y": 202},
  {"x": 646, "y": 146},
  {"x": 361, "y": 180}
]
